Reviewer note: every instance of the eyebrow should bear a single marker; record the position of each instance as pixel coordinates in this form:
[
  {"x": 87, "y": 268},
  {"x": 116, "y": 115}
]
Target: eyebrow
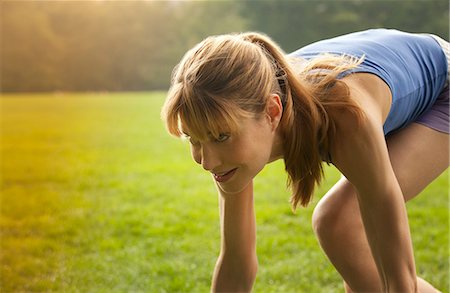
[{"x": 209, "y": 134}]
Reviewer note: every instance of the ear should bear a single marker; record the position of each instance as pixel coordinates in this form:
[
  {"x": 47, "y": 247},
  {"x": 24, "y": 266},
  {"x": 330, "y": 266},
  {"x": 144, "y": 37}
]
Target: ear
[{"x": 274, "y": 110}]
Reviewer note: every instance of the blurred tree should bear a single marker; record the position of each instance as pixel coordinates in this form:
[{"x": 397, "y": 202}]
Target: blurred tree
[
  {"x": 30, "y": 51},
  {"x": 118, "y": 46},
  {"x": 121, "y": 45},
  {"x": 297, "y": 23}
]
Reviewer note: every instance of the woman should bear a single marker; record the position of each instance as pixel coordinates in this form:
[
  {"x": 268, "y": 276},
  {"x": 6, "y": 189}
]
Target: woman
[{"x": 372, "y": 103}]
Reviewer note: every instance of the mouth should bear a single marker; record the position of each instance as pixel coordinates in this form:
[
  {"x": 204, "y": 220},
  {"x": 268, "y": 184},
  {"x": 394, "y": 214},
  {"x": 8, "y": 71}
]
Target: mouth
[{"x": 223, "y": 177}]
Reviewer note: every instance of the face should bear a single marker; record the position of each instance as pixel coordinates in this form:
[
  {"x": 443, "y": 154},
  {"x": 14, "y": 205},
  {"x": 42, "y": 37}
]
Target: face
[{"x": 234, "y": 160}]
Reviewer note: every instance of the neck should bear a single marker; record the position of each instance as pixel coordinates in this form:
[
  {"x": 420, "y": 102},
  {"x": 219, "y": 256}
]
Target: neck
[{"x": 277, "y": 149}]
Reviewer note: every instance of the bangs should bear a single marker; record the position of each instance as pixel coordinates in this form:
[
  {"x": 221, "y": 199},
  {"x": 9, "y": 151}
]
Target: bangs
[{"x": 201, "y": 116}]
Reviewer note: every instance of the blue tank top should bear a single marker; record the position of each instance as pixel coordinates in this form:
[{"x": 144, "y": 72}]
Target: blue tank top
[{"x": 412, "y": 65}]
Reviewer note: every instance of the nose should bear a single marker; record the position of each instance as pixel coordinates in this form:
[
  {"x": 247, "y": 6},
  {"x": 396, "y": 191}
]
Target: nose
[{"x": 205, "y": 156}]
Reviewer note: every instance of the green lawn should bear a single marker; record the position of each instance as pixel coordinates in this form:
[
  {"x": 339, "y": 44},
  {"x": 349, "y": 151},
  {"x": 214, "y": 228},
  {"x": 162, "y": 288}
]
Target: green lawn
[{"x": 96, "y": 197}]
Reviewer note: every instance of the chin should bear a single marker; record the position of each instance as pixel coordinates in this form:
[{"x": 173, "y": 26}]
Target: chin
[
  {"x": 239, "y": 181},
  {"x": 233, "y": 187}
]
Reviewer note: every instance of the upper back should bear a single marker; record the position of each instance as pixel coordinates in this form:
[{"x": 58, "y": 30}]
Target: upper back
[{"x": 412, "y": 65}]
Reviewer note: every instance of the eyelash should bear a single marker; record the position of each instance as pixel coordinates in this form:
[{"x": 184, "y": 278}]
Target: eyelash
[
  {"x": 192, "y": 141},
  {"x": 222, "y": 138}
]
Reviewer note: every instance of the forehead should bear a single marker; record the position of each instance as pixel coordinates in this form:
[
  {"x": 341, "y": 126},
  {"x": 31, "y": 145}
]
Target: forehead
[
  {"x": 243, "y": 125},
  {"x": 206, "y": 129}
]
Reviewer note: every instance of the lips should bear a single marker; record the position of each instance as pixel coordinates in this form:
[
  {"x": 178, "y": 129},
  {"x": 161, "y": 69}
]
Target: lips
[{"x": 224, "y": 176}]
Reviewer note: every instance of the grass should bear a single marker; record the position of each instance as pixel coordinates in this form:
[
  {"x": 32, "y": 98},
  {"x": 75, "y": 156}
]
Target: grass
[{"x": 96, "y": 197}]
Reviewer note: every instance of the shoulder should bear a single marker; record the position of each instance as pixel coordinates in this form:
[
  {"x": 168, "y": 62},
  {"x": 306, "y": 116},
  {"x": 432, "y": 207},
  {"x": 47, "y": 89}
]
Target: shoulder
[
  {"x": 372, "y": 96},
  {"x": 371, "y": 93}
]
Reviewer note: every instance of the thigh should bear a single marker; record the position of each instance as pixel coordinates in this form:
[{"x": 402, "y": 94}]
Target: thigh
[{"x": 418, "y": 155}]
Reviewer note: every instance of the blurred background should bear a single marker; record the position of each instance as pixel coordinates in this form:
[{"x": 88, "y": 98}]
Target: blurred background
[
  {"x": 133, "y": 45},
  {"x": 95, "y": 196}
]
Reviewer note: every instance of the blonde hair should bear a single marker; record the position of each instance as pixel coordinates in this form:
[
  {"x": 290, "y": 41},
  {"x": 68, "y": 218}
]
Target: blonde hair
[{"x": 227, "y": 77}]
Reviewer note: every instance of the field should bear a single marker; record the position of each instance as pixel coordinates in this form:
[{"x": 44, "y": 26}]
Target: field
[{"x": 96, "y": 197}]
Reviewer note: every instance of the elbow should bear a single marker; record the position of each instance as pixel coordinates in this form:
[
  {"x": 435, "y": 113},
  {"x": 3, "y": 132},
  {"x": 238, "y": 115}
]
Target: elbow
[
  {"x": 248, "y": 279},
  {"x": 246, "y": 276},
  {"x": 252, "y": 271},
  {"x": 405, "y": 282},
  {"x": 235, "y": 274}
]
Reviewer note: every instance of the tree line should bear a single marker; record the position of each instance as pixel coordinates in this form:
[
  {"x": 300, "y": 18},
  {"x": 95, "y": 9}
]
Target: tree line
[{"x": 133, "y": 46}]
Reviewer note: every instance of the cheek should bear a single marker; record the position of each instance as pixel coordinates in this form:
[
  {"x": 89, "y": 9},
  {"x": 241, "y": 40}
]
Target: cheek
[
  {"x": 256, "y": 151},
  {"x": 262, "y": 139}
]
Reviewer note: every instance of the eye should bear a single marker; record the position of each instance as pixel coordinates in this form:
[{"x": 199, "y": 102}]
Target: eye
[
  {"x": 193, "y": 141},
  {"x": 222, "y": 137},
  {"x": 190, "y": 139}
]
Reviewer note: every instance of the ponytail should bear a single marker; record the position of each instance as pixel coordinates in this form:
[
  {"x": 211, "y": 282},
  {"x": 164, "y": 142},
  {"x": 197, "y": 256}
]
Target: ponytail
[{"x": 307, "y": 129}]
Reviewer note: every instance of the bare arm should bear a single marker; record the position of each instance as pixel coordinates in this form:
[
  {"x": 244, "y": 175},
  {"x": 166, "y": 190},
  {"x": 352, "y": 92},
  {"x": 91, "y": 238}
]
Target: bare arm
[
  {"x": 236, "y": 266},
  {"x": 362, "y": 156}
]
